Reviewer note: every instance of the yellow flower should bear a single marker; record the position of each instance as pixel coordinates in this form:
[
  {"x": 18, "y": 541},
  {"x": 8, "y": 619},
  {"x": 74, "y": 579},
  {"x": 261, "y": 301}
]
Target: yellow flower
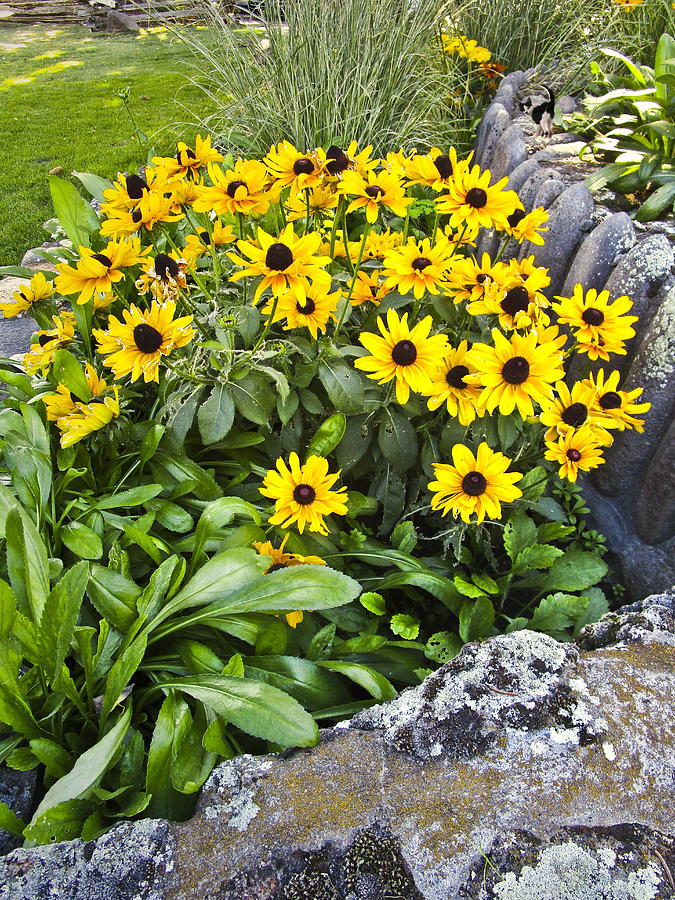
[
  {"x": 575, "y": 451},
  {"x": 150, "y": 210},
  {"x": 474, "y": 484},
  {"x": 517, "y": 301},
  {"x": 41, "y": 355},
  {"x": 435, "y": 169},
  {"x": 599, "y": 327},
  {"x": 630, "y": 4},
  {"x": 134, "y": 347},
  {"x": 322, "y": 199},
  {"x": 615, "y": 408},
  {"x": 197, "y": 245},
  {"x": 282, "y": 560},
  {"x": 288, "y": 167},
  {"x": 460, "y": 45},
  {"x": 244, "y": 189},
  {"x": 128, "y": 190},
  {"x": 515, "y": 372},
  {"x": 64, "y": 403},
  {"x": 303, "y": 494},
  {"x": 311, "y": 311},
  {"x": 448, "y": 385},
  {"x": 189, "y": 161},
  {"x": 471, "y": 200},
  {"x": 28, "y": 294},
  {"x": 524, "y": 226},
  {"x": 339, "y": 161},
  {"x": 406, "y": 354},
  {"x": 417, "y": 266},
  {"x": 467, "y": 279},
  {"x": 87, "y": 418},
  {"x": 379, "y": 244},
  {"x": 95, "y": 273},
  {"x": 369, "y": 288},
  {"x": 163, "y": 277},
  {"x": 572, "y": 410},
  {"x": 374, "y": 191},
  {"x": 285, "y": 263}
]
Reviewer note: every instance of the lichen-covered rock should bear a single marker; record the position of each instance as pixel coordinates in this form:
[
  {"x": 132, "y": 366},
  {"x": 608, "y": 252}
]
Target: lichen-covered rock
[
  {"x": 521, "y": 174},
  {"x": 652, "y": 619},
  {"x": 521, "y": 751},
  {"x": 17, "y": 791},
  {"x": 528, "y": 192}
]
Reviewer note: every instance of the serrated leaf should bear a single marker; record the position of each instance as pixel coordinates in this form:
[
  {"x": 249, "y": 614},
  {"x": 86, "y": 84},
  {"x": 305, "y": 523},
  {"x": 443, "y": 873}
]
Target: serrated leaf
[
  {"x": 114, "y": 596},
  {"x": 466, "y": 588},
  {"x": 556, "y": 612},
  {"x": 59, "y": 618},
  {"x": 520, "y": 532},
  {"x": 62, "y": 822},
  {"x": 216, "y": 415},
  {"x": 374, "y": 603},
  {"x": 121, "y": 674},
  {"x": 576, "y": 570},
  {"x": 27, "y": 562},
  {"x": 538, "y": 556},
  {"x": 476, "y": 618},
  {"x": 405, "y": 626},
  {"x": 487, "y": 584},
  {"x": 9, "y": 821},
  {"x": 443, "y": 646}
]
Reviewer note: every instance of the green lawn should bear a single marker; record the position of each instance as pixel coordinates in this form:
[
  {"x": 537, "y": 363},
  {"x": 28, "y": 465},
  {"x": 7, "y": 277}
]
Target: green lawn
[{"x": 58, "y": 96}]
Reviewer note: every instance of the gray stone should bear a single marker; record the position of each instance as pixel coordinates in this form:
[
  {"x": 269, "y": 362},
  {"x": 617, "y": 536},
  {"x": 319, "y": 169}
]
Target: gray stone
[
  {"x": 15, "y": 335},
  {"x": 509, "y": 153},
  {"x": 549, "y": 191},
  {"x": 530, "y": 751},
  {"x": 652, "y": 619},
  {"x": 33, "y": 260},
  {"x": 514, "y": 80},
  {"x": 505, "y": 96},
  {"x": 495, "y": 122},
  {"x": 570, "y": 217},
  {"x": 533, "y": 185},
  {"x": 652, "y": 369},
  {"x": 17, "y": 791},
  {"x": 600, "y": 252},
  {"x": 119, "y": 21},
  {"x": 655, "y": 508},
  {"x": 646, "y": 568},
  {"x": 521, "y": 174},
  {"x": 566, "y": 104}
]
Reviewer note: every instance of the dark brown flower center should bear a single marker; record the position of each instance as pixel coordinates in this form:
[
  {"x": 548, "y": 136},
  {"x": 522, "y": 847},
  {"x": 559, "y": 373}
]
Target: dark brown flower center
[
  {"x": 306, "y": 308},
  {"x": 404, "y": 353},
  {"x": 166, "y": 266},
  {"x": 482, "y": 278},
  {"x": 374, "y": 191},
  {"x": 147, "y": 338},
  {"x": 136, "y": 216},
  {"x": 420, "y": 263},
  {"x": 278, "y": 257},
  {"x": 516, "y": 217},
  {"x": 593, "y": 316},
  {"x": 443, "y": 165},
  {"x": 304, "y": 494},
  {"x": 516, "y": 300},
  {"x": 610, "y": 400},
  {"x": 103, "y": 259},
  {"x": 574, "y": 455},
  {"x": 185, "y": 157},
  {"x": 303, "y": 166},
  {"x": 455, "y": 377},
  {"x": 205, "y": 237},
  {"x": 516, "y": 370},
  {"x": 337, "y": 160},
  {"x": 477, "y": 198},
  {"x": 474, "y": 484},
  {"x": 135, "y": 187},
  {"x": 275, "y": 568},
  {"x": 45, "y": 339},
  {"x": 234, "y": 186},
  {"x": 575, "y": 415}
]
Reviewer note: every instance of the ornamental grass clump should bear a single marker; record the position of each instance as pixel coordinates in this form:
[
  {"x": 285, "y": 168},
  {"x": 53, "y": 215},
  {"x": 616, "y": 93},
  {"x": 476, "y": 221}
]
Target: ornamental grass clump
[{"x": 259, "y": 389}]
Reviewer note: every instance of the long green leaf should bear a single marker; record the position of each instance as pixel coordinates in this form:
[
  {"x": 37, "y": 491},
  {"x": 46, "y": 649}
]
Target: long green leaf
[
  {"x": 27, "y": 562},
  {"x": 114, "y": 596},
  {"x": 59, "y": 618},
  {"x": 217, "y": 515},
  {"x": 376, "y": 684},
  {"x": 174, "y": 721},
  {"x": 73, "y": 212}
]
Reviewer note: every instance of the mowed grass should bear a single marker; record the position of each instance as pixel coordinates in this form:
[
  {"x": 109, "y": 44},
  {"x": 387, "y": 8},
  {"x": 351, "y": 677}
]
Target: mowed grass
[{"x": 59, "y": 107}]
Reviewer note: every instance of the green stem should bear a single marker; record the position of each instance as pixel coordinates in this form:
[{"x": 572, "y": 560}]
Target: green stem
[{"x": 353, "y": 281}]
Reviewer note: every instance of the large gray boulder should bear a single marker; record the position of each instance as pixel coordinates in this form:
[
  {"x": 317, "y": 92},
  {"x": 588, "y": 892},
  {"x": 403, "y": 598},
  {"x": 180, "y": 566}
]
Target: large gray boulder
[{"x": 524, "y": 769}]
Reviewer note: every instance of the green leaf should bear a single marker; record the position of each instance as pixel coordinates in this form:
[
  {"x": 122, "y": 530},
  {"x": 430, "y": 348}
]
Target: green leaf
[
  {"x": 174, "y": 471},
  {"x": 16, "y": 271},
  {"x": 556, "y": 612},
  {"x": 507, "y": 431},
  {"x": 596, "y": 609},
  {"x": 438, "y": 586},
  {"x": 73, "y": 212},
  {"x": 404, "y": 537},
  {"x": 59, "y": 618},
  {"x": 27, "y": 562},
  {"x": 575, "y": 571},
  {"x": 9, "y": 821},
  {"x": 68, "y": 371},
  {"x": 533, "y": 483},
  {"x": 133, "y": 497},
  {"x": 82, "y": 541},
  {"x": 397, "y": 439},
  {"x": 62, "y": 822},
  {"x": 407, "y": 627},
  {"x": 466, "y": 588},
  {"x": 487, "y": 584},
  {"x": 162, "y": 579},
  {"x": 390, "y": 491},
  {"x": 369, "y": 679},
  {"x": 328, "y": 435},
  {"x": 88, "y": 769},
  {"x": 273, "y": 639},
  {"x": 150, "y": 441},
  {"x": 114, "y": 596},
  {"x": 170, "y": 516},
  {"x": 538, "y": 556},
  {"x": 310, "y": 684},
  {"x": 356, "y": 440},
  {"x": 374, "y": 603},
  {"x": 656, "y": 203},
  {"x": 216, "y": 416},
  {"x": 121, "y": 674},
  {"x": 94, "y": 184},
  {"x": 254, "y": 707},
  {"x": 321, "y": 644},
  {"x": 520, "y": 532},
  {"x": 234, "y": 667},
  {"x": 254, "y": 398},
  {"x": 173, "y": 723},
  {"x": 55, "y": 758},
  {"x": 343, "y": 385},
  {"x": 443, "y": 646},
  {"x": 217, "y": 515},
  {"x": 476, "y": 619},
  {"x": 193, "y": 764}
]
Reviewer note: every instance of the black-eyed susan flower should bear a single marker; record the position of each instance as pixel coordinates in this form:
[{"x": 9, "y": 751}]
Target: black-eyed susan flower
[
  {"x": 524, "y": 226},
  {"x": 599, "y": 326},
  {"x": 312, "y": 311},
  {"x": 616, "y": 408},
  {"x": 435, "y": 169},
  {"x": 378, "y": 244},
  {"x": 630, "y": 4},
  {"x": 321, "y": 200},
  {"x": 405, "y": 354},
  {"x": 417, "y": 266},
  {"x": 576, "y": 451},
  {"x": 514, "y": 372},
  {"x": 290, "y": 168},
  {"x": 449, "y": 386},
  {"x": 474, "y": 484},
  {"x": 518, "y": 302},
  {"x": 152, "y": 209},
  {"x": 471, "y": 200},
  {"x": 88, "y": 417},
  {"x": 339, "y": 161},
  {"x": 197, "y": 245},
  {"x": 96, "y": 272},
  {"x": 188, "y": 161},
  {"x": 286, "y": 262},
  {"x": 468, "y": 279},
  {"x": 303, "y": 495},
  {"x": 369, "y": 287},
  {"x": 41, "y": 354},
  {"x": 37, "y": 289},
  {"x": 135, "y": 347},
  {"x": 244, "y": 189},
  {"x": 374, "y": 191},
  {"x": 128, "y": 190},
  {"x": 280, "y": 559},
  {"x": 163, "y": 276},
  {"x": 570, "y": 410}
]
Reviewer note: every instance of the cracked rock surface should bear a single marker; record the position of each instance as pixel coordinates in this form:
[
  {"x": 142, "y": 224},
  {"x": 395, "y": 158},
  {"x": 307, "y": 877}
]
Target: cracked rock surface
[{"x": 524, "y": 769}]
